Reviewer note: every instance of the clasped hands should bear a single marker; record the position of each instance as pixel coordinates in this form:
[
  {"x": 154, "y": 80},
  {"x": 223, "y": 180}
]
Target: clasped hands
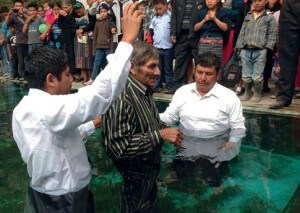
[{"x": 210, "y": 15}]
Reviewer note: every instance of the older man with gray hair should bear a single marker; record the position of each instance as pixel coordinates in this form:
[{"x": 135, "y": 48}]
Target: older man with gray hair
[{"x": 133, "y": 135}]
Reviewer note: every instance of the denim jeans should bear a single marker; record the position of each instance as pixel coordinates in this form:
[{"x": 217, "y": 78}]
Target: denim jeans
[
  {"x": 165, "y": 66},
  {"x": 253, "y": 64},
  {"x": 5, "y": 60},
  {"x": 33, "y": 46},
  {"x": 100, "y": 60}
]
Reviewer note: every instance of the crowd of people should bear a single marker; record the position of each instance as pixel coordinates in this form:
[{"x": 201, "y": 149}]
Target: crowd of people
[
  {"x": 181, "y": 30},
  {"x": 50, "y": 49}
]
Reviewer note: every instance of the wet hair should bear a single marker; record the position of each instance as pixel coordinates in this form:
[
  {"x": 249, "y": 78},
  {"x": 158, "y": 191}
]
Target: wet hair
[
  {"x": 42, "y": 61},
  {"x": 142, "y": 51},
  {"x": 209, "y": 59},
  {"x": 33, "y": 4},
  {"x": 4, "y": 9},
  {"x": 155, "y": 2},
  {"x": 18, "y": 1}
]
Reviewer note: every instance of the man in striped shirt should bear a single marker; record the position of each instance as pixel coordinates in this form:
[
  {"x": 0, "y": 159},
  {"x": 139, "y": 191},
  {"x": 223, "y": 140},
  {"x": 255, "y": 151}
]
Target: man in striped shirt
[{"x": 133, "y": 135}]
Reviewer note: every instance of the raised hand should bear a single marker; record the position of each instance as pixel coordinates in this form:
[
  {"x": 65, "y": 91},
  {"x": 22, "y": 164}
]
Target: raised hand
[{"x": 131, "y": 22}]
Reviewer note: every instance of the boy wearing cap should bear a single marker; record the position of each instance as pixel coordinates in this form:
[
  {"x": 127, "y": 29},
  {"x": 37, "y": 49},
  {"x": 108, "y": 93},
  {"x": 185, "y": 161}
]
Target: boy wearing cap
[{"x": 102, "y": 40}]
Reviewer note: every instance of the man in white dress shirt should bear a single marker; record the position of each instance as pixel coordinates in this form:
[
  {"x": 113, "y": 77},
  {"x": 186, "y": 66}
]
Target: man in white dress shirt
[
  {"x": 46, "y": 121},
  {"x": 211, "y": 119}
]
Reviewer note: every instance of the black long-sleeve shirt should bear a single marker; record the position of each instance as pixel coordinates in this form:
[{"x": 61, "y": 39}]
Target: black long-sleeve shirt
[{"x": 67, "y": 24}]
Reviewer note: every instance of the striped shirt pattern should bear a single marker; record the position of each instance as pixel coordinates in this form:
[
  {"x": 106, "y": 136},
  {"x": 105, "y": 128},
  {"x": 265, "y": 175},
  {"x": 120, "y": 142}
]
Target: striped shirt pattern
[
  {"x": 130, "y": 128},
  {"x": 260, "y": 32}
]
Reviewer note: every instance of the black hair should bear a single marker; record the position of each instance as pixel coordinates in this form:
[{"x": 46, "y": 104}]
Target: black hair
[
  {"x": 19, "y": 1},
  {"x": 11, "y": 25},
  {"x": 56, "y": 3},
  {"x": 42, "y": 61},
  {"x": 144, "y": 3},
  {"x": 155, "y": 2},
  {"x": 219, "y": 5},
  {"x": 209, "y": 59},
  {"x": 33, "y": 4},
  {"x": 4, "y": 9},
  {"x": 50, "y": 3}
]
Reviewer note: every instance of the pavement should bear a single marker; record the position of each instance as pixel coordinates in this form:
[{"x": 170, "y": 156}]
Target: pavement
[{"x": 261, "y": 107}]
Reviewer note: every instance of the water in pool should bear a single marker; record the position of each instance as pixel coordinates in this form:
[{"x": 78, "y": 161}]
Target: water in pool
[{"x": 264, "y": 177}]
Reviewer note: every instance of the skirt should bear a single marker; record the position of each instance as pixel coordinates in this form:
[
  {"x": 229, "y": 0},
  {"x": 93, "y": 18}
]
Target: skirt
[
  {"x": 210, "y": 44},
  {"x": 84, "y": 52}
]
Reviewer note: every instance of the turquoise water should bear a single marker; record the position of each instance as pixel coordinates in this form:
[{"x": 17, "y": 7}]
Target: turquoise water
[{"x": 263, "y": 178}]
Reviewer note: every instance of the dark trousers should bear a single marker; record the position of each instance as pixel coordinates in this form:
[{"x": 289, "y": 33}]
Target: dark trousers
[
  {"x": 211, "y": 172},
  {"x": 185, "y": 48},
  {"x": 289, "y": 46},
  {"x": 140, "y": 189},
  {"x": 22, "y": 51},
  {"x": 165, "y": 66},
  {"x": 268, "y": 68},
  {"x": 81, "y": 201},
  {"x": 69, "y": 49},
  {"x": 14, "y": 64}
]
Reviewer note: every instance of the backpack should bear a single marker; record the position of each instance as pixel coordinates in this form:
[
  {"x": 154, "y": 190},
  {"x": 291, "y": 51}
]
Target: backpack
[{"x": 232, "y": 72}]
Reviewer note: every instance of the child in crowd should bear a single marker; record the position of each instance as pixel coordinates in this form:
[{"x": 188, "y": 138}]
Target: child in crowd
[
  {"x": 55, "y": 32},
  {"x": 67, "y": 24},
  {"x": 41, "y": 12},
  {"x": 258, "y": 34},
  {"x": 212, "y": 22},
  {"x": 160, "y": 30},
  {"x": 141, "y": 7},
  {"x": 49, "y": 16},
  {"x": 12, "y": 50},
  {"x": 4, "y": 52},
  {"x": 32, "y": 23},
  {"x": 102, "y": 41},
  {"x": 17, "y": 17},
  {"x": 85, "y": 24}
]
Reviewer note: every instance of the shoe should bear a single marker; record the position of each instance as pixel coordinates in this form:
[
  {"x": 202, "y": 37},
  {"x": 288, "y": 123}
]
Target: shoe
[
  {"x": 273, "y": 96},
  {"x": 279, "y": 104},
  {"x": 157, "y": 90},
  {"x": 266, "y": 89},
  {"x": 257, "y": 92},
  {"x": 247, "y": 93}
]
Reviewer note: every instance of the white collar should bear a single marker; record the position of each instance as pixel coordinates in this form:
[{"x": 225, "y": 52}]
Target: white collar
[{"x": 215, "y": 91}]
